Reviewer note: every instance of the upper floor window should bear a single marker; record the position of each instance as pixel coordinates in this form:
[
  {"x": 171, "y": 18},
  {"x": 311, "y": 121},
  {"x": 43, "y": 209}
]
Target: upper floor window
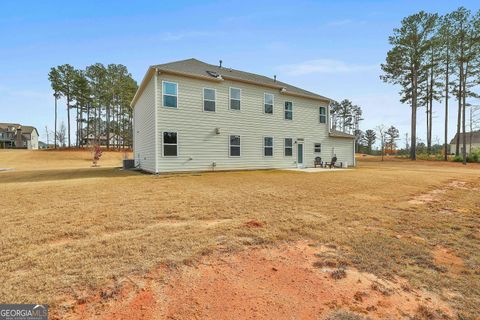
[
  {"x": 288, "y": 110},
  {"x": 268, "y": 146},
  {"x": 268, "y": 103},
  {"x": 234, "y": 146},
  {"x": 317, "y": 148},
  {"x": 288, "y": 144},
  {"x": 209, "y": 99},
  {"x": 235, "y": 97},
  {"x": 170, "y": 94},
  {"x": 323, "y": 114},
  {"x": 170, "y": 144}
]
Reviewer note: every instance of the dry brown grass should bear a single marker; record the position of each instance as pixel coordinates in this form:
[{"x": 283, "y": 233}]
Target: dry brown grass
[
  {"x": 21, "y": 160},
  {"x": 65, "y": 231}
]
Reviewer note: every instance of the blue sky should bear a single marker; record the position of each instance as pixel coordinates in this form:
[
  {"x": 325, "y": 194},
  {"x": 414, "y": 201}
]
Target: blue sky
[{"x": 333, "y": 48}]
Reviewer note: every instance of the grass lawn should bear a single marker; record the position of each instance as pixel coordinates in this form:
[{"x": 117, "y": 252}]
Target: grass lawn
[{"x": 68, "y": 228}]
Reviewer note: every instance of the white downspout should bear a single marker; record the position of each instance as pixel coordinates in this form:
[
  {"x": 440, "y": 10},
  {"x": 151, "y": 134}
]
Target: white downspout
[{"x": 156, "y": 119}]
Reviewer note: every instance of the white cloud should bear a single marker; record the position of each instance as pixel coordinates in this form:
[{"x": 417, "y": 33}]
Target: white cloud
[{"x": 323, "y": 66}]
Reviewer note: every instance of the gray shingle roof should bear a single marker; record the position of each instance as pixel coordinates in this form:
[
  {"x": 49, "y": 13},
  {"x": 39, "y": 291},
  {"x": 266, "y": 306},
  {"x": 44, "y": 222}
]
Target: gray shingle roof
[
  {"x": 25, "y": 129},
  {"x": 475, "y": 137},
  {"x": 199, "y": 68},
  {"x": 340, "y": 134}
]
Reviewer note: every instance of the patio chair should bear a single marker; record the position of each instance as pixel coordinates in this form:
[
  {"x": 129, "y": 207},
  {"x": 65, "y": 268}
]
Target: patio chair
[
  {"x": 332, "y": 163},
  {"x": 318, "y": 162}
]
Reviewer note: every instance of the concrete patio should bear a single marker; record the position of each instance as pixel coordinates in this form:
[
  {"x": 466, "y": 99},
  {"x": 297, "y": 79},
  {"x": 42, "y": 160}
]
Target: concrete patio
[{"x": 315, "y": 170}]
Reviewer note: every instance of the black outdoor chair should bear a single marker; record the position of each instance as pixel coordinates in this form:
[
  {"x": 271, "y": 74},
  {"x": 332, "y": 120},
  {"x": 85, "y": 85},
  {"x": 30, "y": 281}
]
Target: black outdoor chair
[
  {"x": 318, "y": 162},
  {"x": 332, "y": 163}
]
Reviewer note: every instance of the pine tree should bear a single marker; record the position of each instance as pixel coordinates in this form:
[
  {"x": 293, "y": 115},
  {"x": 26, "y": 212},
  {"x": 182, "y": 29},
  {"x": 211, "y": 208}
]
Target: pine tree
[{"x": 405, "y": 62}]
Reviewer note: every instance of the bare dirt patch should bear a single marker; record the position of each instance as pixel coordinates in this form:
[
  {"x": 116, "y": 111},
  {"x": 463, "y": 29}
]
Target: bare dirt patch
[
  {"x": 436, "y": 194},
  {"x": 268, "y": 283},
  {"x": 446, "y": 258}
]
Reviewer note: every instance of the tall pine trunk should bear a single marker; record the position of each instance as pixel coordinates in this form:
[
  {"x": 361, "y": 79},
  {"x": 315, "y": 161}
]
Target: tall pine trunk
[
  {"x": 413, "y": 149},
  {"x": 459, "y": 115},
  {"x": 464, "y": 109},
  {"x": 446, "y": 107},
  {"x": 430, "y": 112},
  {"x": 68, "y": 117},
  {"x": 56, "y": 116},
  {"x": 108, "y": 125}
]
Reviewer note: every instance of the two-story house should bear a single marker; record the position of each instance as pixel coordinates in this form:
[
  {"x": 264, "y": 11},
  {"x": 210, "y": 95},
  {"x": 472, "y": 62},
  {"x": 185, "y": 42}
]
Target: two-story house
[
  {"x": 194, "y": 116},
  {"x": 14, "y": 135}
]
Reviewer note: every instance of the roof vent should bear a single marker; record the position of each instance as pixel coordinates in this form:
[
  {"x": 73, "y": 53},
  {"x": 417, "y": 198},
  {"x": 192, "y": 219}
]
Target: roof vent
[
  {"x": 220, "y": 63},
  {"x": 215, "y": 74},
  {"x": 275, "y": 78}
]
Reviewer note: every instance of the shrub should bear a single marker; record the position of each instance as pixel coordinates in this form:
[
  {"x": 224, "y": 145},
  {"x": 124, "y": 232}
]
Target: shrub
[{"x": 457, "y": 159}]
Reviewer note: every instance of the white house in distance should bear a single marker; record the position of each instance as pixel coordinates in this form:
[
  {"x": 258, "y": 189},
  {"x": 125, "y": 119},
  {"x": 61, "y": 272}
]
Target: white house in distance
[{"x": 194, "y": 116}]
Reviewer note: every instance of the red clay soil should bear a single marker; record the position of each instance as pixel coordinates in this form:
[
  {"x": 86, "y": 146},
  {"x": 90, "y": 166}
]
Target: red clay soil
[{"x": 263, "y": 283}]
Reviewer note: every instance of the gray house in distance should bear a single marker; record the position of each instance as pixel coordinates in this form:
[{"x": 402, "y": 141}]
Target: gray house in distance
[
  {"x": 14, "y": 135},
  {"x": 194, "y": 116},
  {"x": 473, "y": 142}
]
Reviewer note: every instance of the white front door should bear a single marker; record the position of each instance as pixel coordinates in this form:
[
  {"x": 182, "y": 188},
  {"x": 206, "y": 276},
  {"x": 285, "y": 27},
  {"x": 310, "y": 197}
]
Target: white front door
[{"x": 300, "y": 155}]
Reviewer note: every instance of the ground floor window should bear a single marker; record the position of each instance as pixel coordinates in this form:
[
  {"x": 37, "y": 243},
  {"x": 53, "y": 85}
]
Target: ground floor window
[
  {"x": 317, "y": 148},
  {"x": 234, "y": 146},
  {"x": 288, "y": 147},
  {"x": 170, "y": 144},
  {"x": 268, "y": 146}
]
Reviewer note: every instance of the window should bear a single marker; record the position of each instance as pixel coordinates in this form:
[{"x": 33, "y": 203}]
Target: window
[
  {"x": 234, "y": 146},
  {"x": 323, "y": 115},
  {"x": 288, "y": 110},
  {"x": 288, "y": 144},
  {"x": 170, "y": 145},
  {"x": 170, "y": 94},
  {"x": 268, "y": 103},
  {"x": 235, "y": 97},
  {"x": 208, "y": 99},
  {"x": 268, "y": 146},
  {"x": 317, "y": 148}
]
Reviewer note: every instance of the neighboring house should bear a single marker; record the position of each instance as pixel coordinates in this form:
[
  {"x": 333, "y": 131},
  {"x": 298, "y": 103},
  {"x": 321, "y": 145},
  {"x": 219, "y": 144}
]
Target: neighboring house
[
  {"x": 193, "y": 116},
  {"x": 14, "y": 135},
  {"x": 101, "y": 140},
  {"x": 473, "y": 142}
]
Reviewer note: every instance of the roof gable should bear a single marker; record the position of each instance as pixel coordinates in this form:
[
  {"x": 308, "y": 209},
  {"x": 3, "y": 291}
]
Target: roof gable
[{"x": 475, "y": 137}]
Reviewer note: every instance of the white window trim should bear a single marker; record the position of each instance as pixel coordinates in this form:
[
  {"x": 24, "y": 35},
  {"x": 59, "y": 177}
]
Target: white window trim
[
  {"x": 273, "y": 103},
  {"x": 170, "y": 144},
  {"x": 273, "y": 147},
  {"x": 203, "y": 100},
  {"x": 285, "y": 146},
  {"x": 315, "y": 149},
  {"x": 285, "y": 110},
  {"x": 230, "y": 145},
  {"x": 322, "y": 115},
  {"x": 171, "y": 95},
  {"x": 230, "y": 99}
]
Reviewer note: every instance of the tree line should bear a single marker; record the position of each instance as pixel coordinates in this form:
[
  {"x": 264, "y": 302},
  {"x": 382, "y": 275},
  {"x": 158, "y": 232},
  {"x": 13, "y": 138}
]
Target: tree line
[
  {"x": 434, "y": 58},
  {"x": 98, "y": 98},
  {"x": 346, "y": 117}
]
